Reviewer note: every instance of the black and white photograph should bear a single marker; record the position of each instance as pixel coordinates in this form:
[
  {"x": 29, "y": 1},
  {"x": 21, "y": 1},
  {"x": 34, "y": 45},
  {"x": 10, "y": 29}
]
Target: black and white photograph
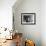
[{"x": 28, "y": 18}]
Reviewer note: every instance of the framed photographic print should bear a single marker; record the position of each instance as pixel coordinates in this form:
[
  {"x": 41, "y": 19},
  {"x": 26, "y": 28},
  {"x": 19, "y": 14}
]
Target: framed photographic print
[{"x": 28, "y": 18}]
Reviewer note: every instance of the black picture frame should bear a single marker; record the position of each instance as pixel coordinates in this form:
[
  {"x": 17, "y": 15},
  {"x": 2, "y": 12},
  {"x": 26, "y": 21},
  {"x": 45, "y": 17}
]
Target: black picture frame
[{"x": 28, "y": 18}]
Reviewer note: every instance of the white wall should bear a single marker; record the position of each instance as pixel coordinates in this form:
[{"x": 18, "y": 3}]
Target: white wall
[
  {"x": 43, "y": 22},
  {"x": 6, "y": 13},
  {"x": 30, "y": 31}
]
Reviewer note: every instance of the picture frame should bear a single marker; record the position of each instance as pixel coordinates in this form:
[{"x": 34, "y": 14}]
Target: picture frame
[{"x": 28, "y": 18}]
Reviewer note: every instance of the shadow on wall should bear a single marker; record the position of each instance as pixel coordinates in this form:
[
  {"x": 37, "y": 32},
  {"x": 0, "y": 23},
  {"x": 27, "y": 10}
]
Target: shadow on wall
[
  {"x": 17, "y": 19},
  {"x": 17, "y": 4}
]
